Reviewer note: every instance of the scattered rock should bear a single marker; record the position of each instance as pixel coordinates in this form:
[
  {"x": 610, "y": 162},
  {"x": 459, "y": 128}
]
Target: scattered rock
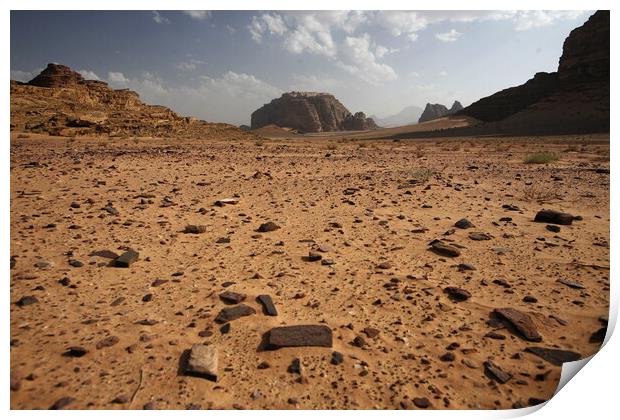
[
  {"x": 268, "y": 306},
  {"x": 464, "y": 224},
  {"x": 444, "y": 249},
  {"x": 496, "y": 373},
  {"x": 26, "y": 300},
  {"x": 232, "y": 313},
  {"x": 457, "y": 294},
  {"x": 62, "y": 403},
  {"x": 232, "y": 297},
  {"x": 195, "y": 229},
  {"x": 203, "y": 362},
  {"x": 337, "y": 358},
  {"x": 479, "y": 236},
  {"x": 300, "y": 335},
  {"x": 422, "y": 402},
  {"x": 126, "y": 259},
  {"x": 268, "y": 227},
  {"x": 521, "y": 322},
  {"x": 554, "y": 356},
  {"x": 75, "y": 351},
  {"x": 554, "y": 217},
  {"x": 572, "y": 284},
  {"x": 107, "y": 342}
]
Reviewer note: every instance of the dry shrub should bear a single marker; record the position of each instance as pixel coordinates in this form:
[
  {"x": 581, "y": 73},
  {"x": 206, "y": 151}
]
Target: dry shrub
[
  {"x": 259, "y": 143},
  {"x": 541, "y": 157},
  {"x": 540, "y": 194},
  {"x": 332, "y": 146}
]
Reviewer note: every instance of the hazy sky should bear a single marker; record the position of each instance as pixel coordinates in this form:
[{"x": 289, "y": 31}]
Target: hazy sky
[{"x": 222, "y": 65}]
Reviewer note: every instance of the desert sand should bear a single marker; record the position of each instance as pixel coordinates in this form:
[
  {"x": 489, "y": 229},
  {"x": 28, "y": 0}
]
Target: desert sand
[{"x": 88, "y": 335}]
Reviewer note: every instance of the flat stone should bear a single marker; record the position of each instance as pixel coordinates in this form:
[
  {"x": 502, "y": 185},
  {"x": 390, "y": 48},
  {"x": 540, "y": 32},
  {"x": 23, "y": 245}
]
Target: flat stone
[
  {"x": 107, "y": 342},
  {"x": 203, "y": 361},
  {"x": 62, "y": 403},
  {"x": 457, "y": 294},
  {"x": 496, "y": 373},
  {"x": 444, "y": 249},
  {"x": 313, "y": 256},
  {"x": 268, "y": 227},
  {"x": 268, "y": 306},
  {"x": 232, "y": 297},
  {"x": 300, "y": 336},
  {"x": 554, "y": 356},
  {"x": 195, "y": 229},
  {"x": 234, "y": 312},
  {"x": 75, "y": 351},
  {"x": 26, "y": 300},
  {"x": 572, "y": 284},
  {"x": 555, "y": 217},
  {"x": 479, "y": 236},
  {"x": 126, "y": 259},
  {"x": 371, "y": 332},
  {"x": 111, "y": 210},
  {"x": 226, "y": 201},
  {"x": 421, "y": 402},
  {"x": 521, "y": 322}
]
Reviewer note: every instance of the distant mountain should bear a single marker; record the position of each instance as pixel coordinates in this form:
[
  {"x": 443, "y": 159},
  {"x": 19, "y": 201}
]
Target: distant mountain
[
  {"x": 310, "y": 112},
  {"x": 574, "y": 99},
  {"x": 433, "y": 111},
  {"x": 409, "y": 115}
]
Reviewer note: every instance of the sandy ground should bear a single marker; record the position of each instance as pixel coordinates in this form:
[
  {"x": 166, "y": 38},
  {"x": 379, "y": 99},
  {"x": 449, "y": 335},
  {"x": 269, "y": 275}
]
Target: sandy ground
[{"x": 366, "y": 203}]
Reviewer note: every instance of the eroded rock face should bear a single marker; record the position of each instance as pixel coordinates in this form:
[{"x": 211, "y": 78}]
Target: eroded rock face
[
  {"x": 59, "y": 101},
  {"x": 310, "y": 112},
  {"x": 57, "y": 75},
  {"x": 573, "y": 99},
  {"x": 434, "y": 111}
]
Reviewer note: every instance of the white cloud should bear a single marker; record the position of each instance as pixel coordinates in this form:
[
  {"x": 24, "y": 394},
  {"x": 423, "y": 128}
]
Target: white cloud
[
  {"x": 443, "y": 73},
  {"x": 450, "y": 36},
  {"x": 190, "y": 65},
  {"x": 529, "y": 19},
  {"x": 117, "y": 79},
  {"x": 312, "y": 83},
  {"x": 89, "y": 75},
  {"x": 157, "y": 17},
  {"x": 198, "y": 14},
  {"x": 231, "y": 29},
  {"x": 357, "y": 58},
  {"x": 24, "y": 76}
]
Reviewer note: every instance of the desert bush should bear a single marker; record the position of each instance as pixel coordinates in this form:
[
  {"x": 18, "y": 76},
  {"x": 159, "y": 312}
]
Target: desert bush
[
  {"x": 259, "y": 143},
  {"x": 422, "y": 174},
  {"x": 419, "y": 152},
  {"x": 332, "y": 146},
  {"x": 541, "y": 157},
  {"x": 540, "y": 194}
]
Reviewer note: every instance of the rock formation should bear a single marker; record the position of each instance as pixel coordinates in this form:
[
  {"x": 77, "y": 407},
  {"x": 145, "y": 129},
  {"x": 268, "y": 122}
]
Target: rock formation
[
  {"x": 574, "y": 99},
  {"x": 60, "y": 102},
  {"x": 434, "y": 111},
  {"x": 310, "y": 112},
  {"x": 407, "y": 116}
]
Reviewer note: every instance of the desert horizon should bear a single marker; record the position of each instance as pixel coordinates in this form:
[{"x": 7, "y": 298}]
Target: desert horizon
[{"x": 382, "y": 235}]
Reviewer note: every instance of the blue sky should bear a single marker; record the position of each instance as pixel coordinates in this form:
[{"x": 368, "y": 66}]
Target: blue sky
[{"x": 222, "y": 65}]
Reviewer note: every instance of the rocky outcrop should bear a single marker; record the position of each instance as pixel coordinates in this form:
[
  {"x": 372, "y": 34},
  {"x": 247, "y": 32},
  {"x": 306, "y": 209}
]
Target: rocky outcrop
[
  {"x": 309, "y": 112},
  {"x": 60, "y": 102},
  {"x": 434, "y": 111},
  {"x": 575, "y": 99},
  {"x": 57, "y": 75}
]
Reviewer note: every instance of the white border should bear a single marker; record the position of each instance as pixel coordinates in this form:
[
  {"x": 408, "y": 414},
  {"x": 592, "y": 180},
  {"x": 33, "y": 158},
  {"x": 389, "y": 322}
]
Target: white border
[{"x": 592, "y": 395}]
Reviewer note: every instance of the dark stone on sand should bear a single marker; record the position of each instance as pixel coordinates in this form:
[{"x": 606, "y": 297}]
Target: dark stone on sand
[
  {"x": 521, "y": 322},
  {"x": 337, "y": 358},
  {"x": 572, "y": 284},
  {"x": 421, "y": 402},
  {"x": 232, "y": 297},
  {"x": 300, "y": 336},
  {"x": 464, "y": 224},
  {"x": 62, "y": 403},
  {"x": 554, "y": 356},
  {"x": 444, "y": 249},
  {"x": 554, "y": 217},
  {"x": 26, "y": 300},
  {"x": 195, "y": 229},
  {"x": 457, "y": 294},
  {"x": 126, "y": 259},
  {"x": 107, "y": 342},
  {"x": 268, "y": 227},
  {"x": 268, "y": 306},
  {"x": 234, "y": 312},
  {"x": 75, "y": 351},
  {"x": 496, "y": 373}
]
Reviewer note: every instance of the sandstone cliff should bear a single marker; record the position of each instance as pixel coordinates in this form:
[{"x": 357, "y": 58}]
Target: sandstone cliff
[
  {"x": 60, "y": 102},
  {"x": 310, "y": 112},
  {"x": 575, "y": 99},
  {"x": 434, "y": 111}
]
